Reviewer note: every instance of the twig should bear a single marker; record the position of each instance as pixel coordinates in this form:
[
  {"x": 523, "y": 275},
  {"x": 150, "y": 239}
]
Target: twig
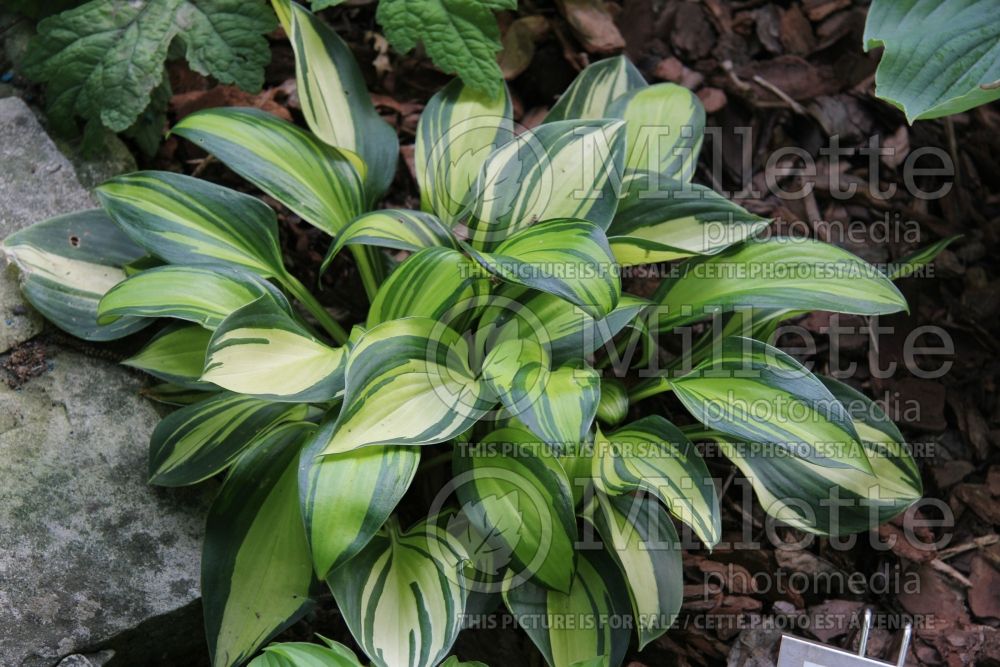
[
  {"x": 977, "y": 543},
  {"x": 796, "y": 107},
  {"x": 944, "y": 568}
]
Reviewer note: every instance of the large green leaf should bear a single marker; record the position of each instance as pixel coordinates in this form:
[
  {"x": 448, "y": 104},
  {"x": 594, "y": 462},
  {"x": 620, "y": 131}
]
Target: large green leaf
[
  {"x": 558, "y": 405},
  {"x": 176, "y": 354},
  {"x": 404, "y": 595},
  {"x": 458, "y": 130},
  {"x": 756, "y": 392},
  {"x": 776, "y": 274},
  {"x": 204, "y": 438},
  {"x": 639, "y": 535},
  {"x": 256, "y": 574},
  {"x": 347, "y": 497},
  {"x": 68, "y": 264},
  {"x": 205, "y": 295},
  {"x": 665, "y": 220},
  {"x": 513, "y": 489},
  {"x": 396, "y": 228},
  {"x": 566, "y": 257},
  {"x": 302, "y": 654},
  {"x": 653, "y": 455},
  {"x": 836, "y": 501},
  {"x": 260, "y": 350},
  {"x": 408, "y": 382},
  {"x": 665, "y": 125},
  {"x": 569, "y": 169},
  {"x": 941, "y": 56},
  {"x": 187, "y": 220},
  {"x": 334, "y": 99},
  {"x": 313, "y": 179},
  {"x": 588, "y": 625},
  {"x": 590, "y": 95},
  {"x": 438, "y": 283}
]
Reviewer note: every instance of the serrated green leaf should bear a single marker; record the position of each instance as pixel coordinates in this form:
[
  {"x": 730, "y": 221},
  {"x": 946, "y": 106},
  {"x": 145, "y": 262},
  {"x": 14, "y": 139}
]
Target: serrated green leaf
[
  {"x": 187, "y": 220},
  {"x": 67, "y": 264},
  {"x": 510, "y": 479},
  {"x": 941, "y": 56},
  {"x": 404, "y": 595},
  {"x": 593, "y": 90},
  {"x": 460, "y": 36},
  {"x": 256, "y": 575},
  {"x": 200, "y": 440}
]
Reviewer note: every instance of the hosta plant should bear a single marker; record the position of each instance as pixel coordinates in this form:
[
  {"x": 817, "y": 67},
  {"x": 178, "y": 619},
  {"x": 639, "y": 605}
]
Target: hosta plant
[{"x": 499, "y": 344}]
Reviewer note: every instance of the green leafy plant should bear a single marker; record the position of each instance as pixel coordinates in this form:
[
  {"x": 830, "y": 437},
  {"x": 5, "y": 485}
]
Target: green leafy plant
[
  {"x": 490, "y": 347},
  {"x": 940, "y": 56}
]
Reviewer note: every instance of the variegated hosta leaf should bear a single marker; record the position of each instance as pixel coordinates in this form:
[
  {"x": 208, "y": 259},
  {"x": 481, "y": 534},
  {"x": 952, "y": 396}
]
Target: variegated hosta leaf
[
  {"x": 776, "y": 274},
  {"x": 439, "y": 283},
  {"x": 458, "y": 130},
  {"x": 595, "y": 88},
  {"x": 187, "y": 220},
  {"x": 347, "y": 497},
  {"x": 313, "y": 179},
  {"x": 566, "y": 257},
  {"x": 652, "y": 455},
  {"x": 588, "y": 625},
  {"x": 453, "y": 661},
  {"x": 260, "y": 350},
  {"x": 335, "y": 101},
  {"x": 396, "y": 228},
  {"x": 202, "y": 439},
  {"x": 205, "y": 295},
  {"x": 568, "y": 333},
  {"x": 640, "y": 537},
  {"x": 403, "y": 595},
  {"x": 569, "y": 169},
  {"x": 836, "y": 501},
  {"x": 513, "y": 489},
  {"x": 669, "y": 220},
  {"x": 908, "y": 265},
  {"x": 175, "y": 394},
  {"x": 756, "y": 392},
  {"x": 408, "y": 383},
  {"x": 67, "y": 264},
  {"x": 613, "y": 406},
  {"x": 666, "y": 123},
  {"x": 176, "y": 354},
  {"x": 255, "y": 570},
  {"x": 303, "y": 654}
]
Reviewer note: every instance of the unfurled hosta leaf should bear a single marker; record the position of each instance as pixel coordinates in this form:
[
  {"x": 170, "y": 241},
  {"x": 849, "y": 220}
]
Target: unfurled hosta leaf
[
  {"x": 568, "y": 333},
  {"x": 666, "y": 123},
  {"x": 313, "y": 179},
  {"x": 756, "y": 392},
  {"x": 256, "y": 574},
  {"x": 408, "y": 382},
  {"x": 404, "y": 595},
  {"x": 452, "y": 661},
  {"x": 590, "y": 95},
  {"x": 176, "y": 354},
  {"x": 777, "y": 274},
  {"x": 908, "y": 265},
  {"x": 513, "y": 489},
  {"x": 347, "y": 497},
  {"x": 68, "y": 264},
  {"x": 260, "y": 350},
  {"x": 201, "y": 294},
  {"x": 187, "y": 220},
  {"x": 569, "y": 169},
  {"x": 458, "y": 130},
  {"x": 335, "y": 101},
  {"x": 198, "y": 441},
  {"x": 393, "y": 228},
  {"x": 569, "y": 258},
  {"x": 438, "y": 283},
  {"x": 652, "y": 455},
  {"x": 592, "y": 619},
  {"x": 302, "y": 654},
  {"x": 613, "y": 406},
  {"x": 666, "y": 220},
  {"x": 941, "y": 56},
  {"x": 836, "y": 501},
  {"x": 639, "y": 535}
]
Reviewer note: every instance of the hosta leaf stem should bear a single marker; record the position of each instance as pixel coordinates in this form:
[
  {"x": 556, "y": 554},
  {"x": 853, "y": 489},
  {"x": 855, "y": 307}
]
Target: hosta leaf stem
[{"x": 305, "y": 297}]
